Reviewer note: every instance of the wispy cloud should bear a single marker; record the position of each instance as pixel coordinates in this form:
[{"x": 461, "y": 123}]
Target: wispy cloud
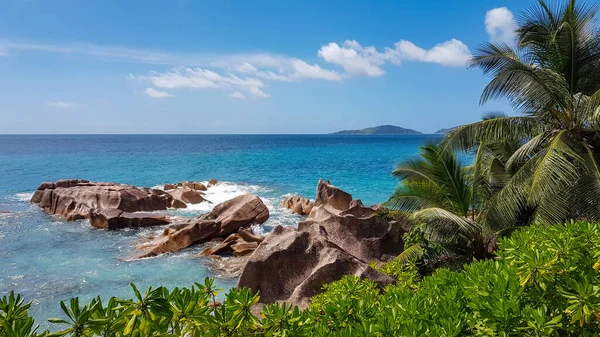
[
  {"x": 157, "y": 94},
  {"x": 500, "y": 23},
  {"x": 62, "y": 104},
  {"x": 238, "y": 95},
  {"x": 247, "y": 74}
]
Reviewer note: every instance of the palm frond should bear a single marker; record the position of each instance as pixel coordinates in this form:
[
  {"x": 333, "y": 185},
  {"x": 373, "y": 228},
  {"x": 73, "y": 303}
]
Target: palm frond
[
  {"x": 492, "y": 131},
  {"x": 411, "y": 253}
]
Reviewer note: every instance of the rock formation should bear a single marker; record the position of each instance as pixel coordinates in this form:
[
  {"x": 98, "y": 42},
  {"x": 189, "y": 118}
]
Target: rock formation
[
  {"x": 293, "y": 265},
  {"x": 298, "y": 205},
  {"x": 116, "y": 219},
  {"x": 192, "y": 185},
  {"x": 225, "y": 219},
  {"x": 340, "y": 237},
  {"x": 239, "y": 244},
  {"x": 75, "y": 199},
  {"x": 187, "y": 196}
]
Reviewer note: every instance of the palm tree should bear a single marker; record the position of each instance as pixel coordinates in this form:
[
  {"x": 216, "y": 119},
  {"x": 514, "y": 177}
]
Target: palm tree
[
  {"x": 552, "y": 77},
  {"x": 438, "y": 194}
]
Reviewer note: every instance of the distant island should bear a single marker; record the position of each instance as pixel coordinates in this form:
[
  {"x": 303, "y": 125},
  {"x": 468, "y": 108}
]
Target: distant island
[
  {"x": 444, "y": 131},
  {"x": 379, "y": 130}
]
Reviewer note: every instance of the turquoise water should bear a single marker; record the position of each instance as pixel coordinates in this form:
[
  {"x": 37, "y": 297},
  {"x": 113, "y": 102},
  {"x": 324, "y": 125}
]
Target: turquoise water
[{"x": 48, "y": 260}]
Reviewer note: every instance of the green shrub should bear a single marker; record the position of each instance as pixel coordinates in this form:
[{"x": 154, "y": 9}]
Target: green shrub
[{"x": 543, "y": 282}]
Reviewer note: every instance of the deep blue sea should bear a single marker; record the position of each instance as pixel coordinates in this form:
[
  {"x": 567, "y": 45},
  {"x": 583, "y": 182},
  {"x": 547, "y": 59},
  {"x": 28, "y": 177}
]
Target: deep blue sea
[{"x": 47, "y": 259}]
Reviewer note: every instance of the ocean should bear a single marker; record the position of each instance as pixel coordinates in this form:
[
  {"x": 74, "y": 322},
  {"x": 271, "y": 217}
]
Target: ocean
[{"x": 47, "y": 259}]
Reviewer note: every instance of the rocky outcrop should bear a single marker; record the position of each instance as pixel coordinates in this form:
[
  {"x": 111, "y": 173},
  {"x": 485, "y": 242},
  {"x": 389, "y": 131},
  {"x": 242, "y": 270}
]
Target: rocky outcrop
[
  {"x": 239, "y": 244},
  {"x": 340, "y": 237},
  {"x": 116, "y": 219},
  {"x": 298, "y": 205},
  {"x": 75, "y": 199},
  {"x": 187, "y": 196},
  {"x": 192, "y": 185},
  {"x": 225, "y": 218},
  {"x": 359, "y": 230},
  {"x": 293, "y": 265}
]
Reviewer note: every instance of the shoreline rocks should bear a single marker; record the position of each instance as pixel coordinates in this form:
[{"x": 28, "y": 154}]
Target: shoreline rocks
[
  {"x": 339, "y": 237},
  {"x": 298, "y": 205},
  {"x": 117, "y": 219},
  {"x": 225, "y": 219},
  {"x": 75, "y": 199},
  {"x": 188, "y": 196}
]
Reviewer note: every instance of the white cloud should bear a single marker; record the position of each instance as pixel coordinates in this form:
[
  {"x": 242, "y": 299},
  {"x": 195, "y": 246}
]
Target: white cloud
[
  {"x": 62, "y": 104},
  {"x": 157, "y": 94},
  {"x": 199, "y": 78},
  {"x": 238, "y": 95},
  {"x": 451, "y": 53},
  {"x": 256, "y": 92},
  {"x": 500, "y": 23},
  {"x": 355, "y": 59},
  {"x": 367, "y": 61}
]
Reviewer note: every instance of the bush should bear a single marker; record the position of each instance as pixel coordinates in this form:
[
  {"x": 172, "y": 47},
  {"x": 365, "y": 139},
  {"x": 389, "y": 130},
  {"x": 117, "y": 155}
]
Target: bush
[{"x": 543, "y": 282}]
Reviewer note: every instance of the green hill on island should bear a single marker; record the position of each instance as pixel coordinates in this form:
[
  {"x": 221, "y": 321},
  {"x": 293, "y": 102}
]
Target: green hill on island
[{"x": 379, "y": 130}]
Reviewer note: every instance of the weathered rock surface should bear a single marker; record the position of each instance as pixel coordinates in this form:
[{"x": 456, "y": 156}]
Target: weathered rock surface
[
  {"x": 188, "y": 196},
  {"x": 298, "y": 205},
  {"x": 292, "y": 266},
  {"x": 115, "y": 219},
  {"x": 224, "y": 219},
  {"x": 75, "y": 199},
  {"x": 354, "y": 227},
  {"x": 241, "y": 243},
  {"x": 340, "y": 237}
]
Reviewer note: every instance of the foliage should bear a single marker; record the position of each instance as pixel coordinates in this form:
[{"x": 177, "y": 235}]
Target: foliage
[
  {"x": 543, "y": 282},
  {"x": 438, "y": 193},
  {"x": 551, "y": 76}
]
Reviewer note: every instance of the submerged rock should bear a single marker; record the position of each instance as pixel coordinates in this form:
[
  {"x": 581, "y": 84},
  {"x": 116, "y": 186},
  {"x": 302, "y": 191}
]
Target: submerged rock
[
  {"x": 340, "y": 237},
  {"x": 75, "y": 199},
  {"x": 298, "y": 205},
  {"x": 224, "y": 219}
]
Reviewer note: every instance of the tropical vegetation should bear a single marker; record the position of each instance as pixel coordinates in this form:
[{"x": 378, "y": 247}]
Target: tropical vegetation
[
  {"x": 541, "y": 167},
  {"x": 544, "y": 281}
]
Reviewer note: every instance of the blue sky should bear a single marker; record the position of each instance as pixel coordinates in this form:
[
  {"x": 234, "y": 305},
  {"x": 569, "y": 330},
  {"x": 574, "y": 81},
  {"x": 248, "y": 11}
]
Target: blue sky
[{"x": 183, "y": 66}]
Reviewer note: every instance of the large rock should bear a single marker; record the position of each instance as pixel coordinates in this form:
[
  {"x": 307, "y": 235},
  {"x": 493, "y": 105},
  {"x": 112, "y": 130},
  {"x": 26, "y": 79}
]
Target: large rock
[
  {"x": 293, "y": 266},
  {"x": 339, "y": 237},
  {"x": 241, "y": 243},
  {"x": 193, "y": 185},
  {"x": 75, "y": 199},
  {"x": 298, "y": 205},
  {"x": 115, "y": 219},
  {"x": 188, "y": 196},
  {"x": 358, "y": 230},
  {"x": 225, "y": 218}
]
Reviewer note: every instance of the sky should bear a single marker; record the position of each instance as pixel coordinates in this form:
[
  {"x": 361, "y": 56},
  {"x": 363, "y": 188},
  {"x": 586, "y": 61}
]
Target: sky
[{"x": 244, "y": 67}]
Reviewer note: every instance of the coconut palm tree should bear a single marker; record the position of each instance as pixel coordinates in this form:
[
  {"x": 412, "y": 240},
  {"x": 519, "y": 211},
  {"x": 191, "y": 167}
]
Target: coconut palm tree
[
  {"x": 552, "y": 78},
  {"x": 437, "y": 194}
]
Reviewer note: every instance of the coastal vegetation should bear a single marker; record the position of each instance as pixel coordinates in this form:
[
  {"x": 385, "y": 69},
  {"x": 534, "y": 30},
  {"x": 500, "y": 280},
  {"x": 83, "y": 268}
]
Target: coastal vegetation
[
  {"x": 541, "y": 167},
  {"x": 543, "y": 282}
]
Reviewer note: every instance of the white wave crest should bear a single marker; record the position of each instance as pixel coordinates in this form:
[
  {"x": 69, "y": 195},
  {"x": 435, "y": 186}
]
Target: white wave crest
[
  {"x": 24, "y": 196},
  {"x": 224, "y": 191}
]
